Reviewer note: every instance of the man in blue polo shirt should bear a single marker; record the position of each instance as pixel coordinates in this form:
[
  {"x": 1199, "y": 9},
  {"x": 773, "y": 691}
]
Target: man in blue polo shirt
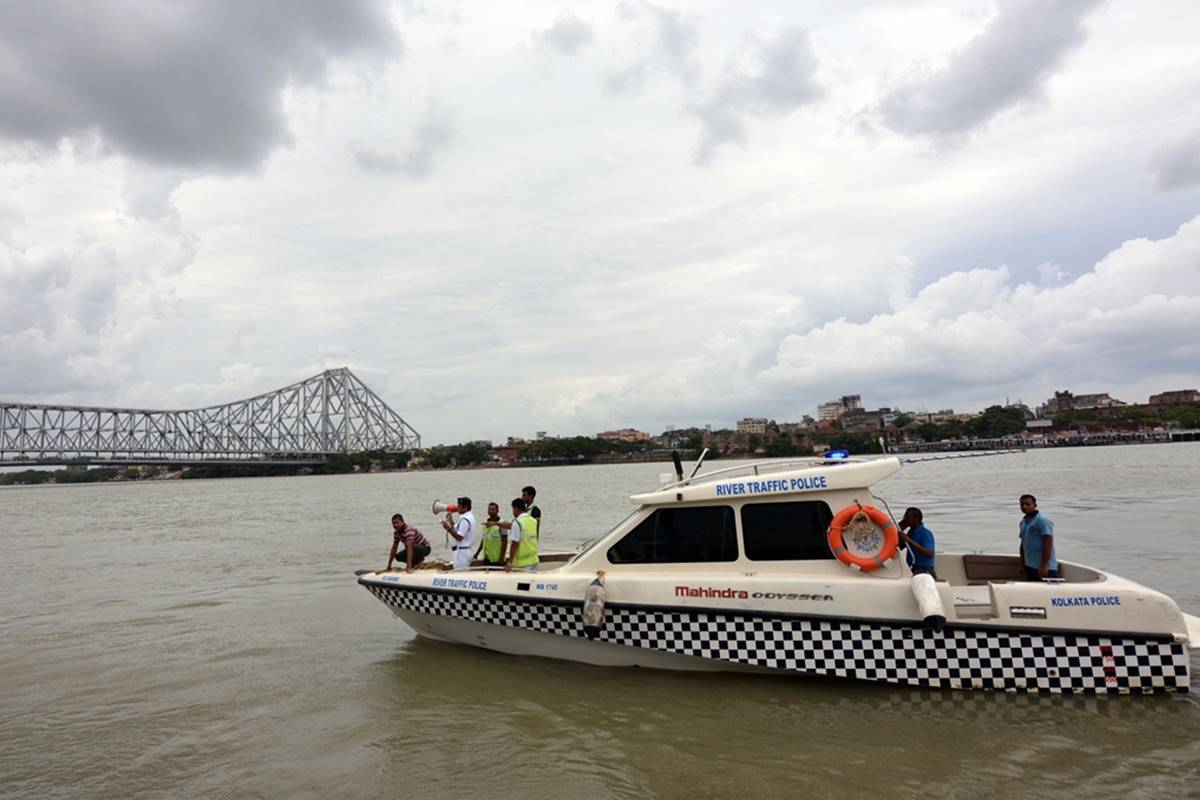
[
  {"x": 919, "y": 541},
  {"x": 1037, "y": 542}
]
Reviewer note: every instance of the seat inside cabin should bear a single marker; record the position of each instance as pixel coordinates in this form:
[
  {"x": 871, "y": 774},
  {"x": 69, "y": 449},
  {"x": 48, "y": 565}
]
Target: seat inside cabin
[{"x": 980, "y": 569}]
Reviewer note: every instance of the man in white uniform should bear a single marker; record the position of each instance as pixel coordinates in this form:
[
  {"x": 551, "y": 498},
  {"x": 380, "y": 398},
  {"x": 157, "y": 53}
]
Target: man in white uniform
[{"x": 463, "y": 533}]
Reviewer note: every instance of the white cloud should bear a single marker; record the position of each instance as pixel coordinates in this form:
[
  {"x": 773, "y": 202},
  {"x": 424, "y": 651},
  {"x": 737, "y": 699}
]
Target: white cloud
[
  {"x": 1007, "y": 64},
  {"x": 238, "y": 381},
  {"x": 671, "y": 49},
  {"x": 780, "y": 77},
  {"x": 434, "y": 133},
  {"x": 976, "y": 334},
  {"x": 535, "y": 252},
  {"x": 568, "y": 35},
  {"x": 72, "y": 319},
  {"x": 193, "y": 86},
  {"x": 971, "y": 337},
  {"x": 1177, "y": 165}
]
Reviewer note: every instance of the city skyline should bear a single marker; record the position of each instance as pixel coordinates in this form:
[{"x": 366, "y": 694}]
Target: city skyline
[
  {"x": 1039, "y": 410},
  {"x": 574, "y": 218}
]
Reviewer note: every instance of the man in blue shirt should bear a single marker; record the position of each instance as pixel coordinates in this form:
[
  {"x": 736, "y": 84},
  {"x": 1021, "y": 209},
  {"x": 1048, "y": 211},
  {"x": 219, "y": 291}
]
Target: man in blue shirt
[
  {"x": 1037, "y": 542},
  {"x": 919, "y": 540}
]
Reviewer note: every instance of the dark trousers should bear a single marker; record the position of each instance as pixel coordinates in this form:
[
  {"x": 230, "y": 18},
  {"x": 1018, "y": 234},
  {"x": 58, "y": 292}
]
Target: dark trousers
[
  {"x": 420, "y": 551},
  {"x": 1031, "y": 573},
  {"x": 924, "y": 570}
]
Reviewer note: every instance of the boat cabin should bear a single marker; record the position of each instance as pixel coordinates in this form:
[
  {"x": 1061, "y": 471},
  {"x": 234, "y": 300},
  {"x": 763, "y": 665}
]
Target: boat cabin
[{"x": 758, "y": 519}]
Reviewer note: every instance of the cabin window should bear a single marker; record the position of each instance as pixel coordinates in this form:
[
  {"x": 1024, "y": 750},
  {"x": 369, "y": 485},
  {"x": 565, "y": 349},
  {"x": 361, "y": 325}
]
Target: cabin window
[
  {"x": 786, "y": 531},
  {"x": 679, "y": 535}
]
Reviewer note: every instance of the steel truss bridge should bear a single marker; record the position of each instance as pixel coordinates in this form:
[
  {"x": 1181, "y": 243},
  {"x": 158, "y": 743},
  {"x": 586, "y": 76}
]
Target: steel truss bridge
[{"x": 304, "y": 423}]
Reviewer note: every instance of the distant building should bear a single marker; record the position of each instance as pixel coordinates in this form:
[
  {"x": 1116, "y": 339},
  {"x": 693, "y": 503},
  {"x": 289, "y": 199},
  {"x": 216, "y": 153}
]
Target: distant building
[
  {"x": 1067, "y": 401},
  {"x": 541, "y": 435},
  {"x": 836, "y": 409},
  {"x": 756, "y": 425},
  {"x": 1177, "y": 397},
  {"x": 860, "y": 420},
  {"x": 1101, "y": 400},
  {"x": 828, "y": 411},
  {"x": 623, "y": 435},
  {"x": 888, "y": 416},
  {"x": 825, "y": 428},
  {"x": 1062, "y": 401},
  {"x": 942, "y": 415},
  {"x": 505, "y": 454}
]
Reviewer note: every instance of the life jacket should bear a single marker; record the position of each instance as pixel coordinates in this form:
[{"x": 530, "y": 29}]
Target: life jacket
[
  {"x": 527, "y": 547},
  {"x": 492, "y": 545}
]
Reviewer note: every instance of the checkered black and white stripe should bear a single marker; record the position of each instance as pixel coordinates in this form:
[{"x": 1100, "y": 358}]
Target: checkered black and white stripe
[{"x": 958, "y": 658}]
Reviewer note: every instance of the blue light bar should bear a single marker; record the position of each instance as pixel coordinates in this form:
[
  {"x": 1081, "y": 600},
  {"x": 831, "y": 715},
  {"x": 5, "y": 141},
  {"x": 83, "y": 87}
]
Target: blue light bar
[{"x": 836, "y": 454}]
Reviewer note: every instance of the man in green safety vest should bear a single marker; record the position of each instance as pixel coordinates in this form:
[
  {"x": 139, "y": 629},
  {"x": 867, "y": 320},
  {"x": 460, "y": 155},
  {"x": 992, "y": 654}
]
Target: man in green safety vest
[
  {"x": 495, "y": 540},
  {"x": 523, "y": 540}
]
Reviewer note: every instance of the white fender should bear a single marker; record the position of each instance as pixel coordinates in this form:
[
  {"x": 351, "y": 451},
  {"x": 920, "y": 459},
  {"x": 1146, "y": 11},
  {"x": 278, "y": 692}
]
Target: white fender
[
  {"x": 593, "y": 606},
  {"x": 1193, "y": 631},
  {"x": 928, "y": 601}
]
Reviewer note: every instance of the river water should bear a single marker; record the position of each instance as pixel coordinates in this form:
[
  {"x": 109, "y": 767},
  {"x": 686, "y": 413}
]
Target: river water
[{"x": 208, "y": 639}]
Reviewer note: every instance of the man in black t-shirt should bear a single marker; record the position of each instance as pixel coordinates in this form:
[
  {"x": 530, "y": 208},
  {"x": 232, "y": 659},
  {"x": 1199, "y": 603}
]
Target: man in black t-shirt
[{"x": 527, "y": 494}]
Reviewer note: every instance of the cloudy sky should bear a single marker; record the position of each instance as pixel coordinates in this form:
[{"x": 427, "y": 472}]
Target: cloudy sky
[{"x": 543, "y": 216}]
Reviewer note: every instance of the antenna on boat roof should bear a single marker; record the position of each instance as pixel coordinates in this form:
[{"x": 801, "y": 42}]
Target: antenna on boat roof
[
  {"x": 699, "y": 461},
  {"x": 883, "y": 445},
  {"x": 678, "y": 465}
]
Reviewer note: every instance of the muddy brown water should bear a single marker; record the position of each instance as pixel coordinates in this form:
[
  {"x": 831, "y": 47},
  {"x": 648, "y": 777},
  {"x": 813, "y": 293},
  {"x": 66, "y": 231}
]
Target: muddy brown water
[{"x": 208, "y": 639}]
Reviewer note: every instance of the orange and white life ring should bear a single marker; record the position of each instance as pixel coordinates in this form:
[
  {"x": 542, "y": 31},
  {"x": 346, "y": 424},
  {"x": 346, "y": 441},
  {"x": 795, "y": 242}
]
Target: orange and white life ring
[{"x": 863, "y": 552}]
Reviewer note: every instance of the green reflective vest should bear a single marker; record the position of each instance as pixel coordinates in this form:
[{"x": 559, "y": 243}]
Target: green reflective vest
[
  {"x": 527, "y": 547},
  {"x": 492, "y": 546}
]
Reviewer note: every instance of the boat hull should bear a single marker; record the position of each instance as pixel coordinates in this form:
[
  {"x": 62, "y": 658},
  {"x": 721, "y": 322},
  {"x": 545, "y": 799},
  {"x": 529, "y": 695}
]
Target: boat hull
[{"x": 959, "y": 657}]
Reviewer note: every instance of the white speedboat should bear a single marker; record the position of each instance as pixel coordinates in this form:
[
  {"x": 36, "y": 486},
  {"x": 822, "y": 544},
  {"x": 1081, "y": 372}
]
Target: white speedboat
[{"x": 770, "y": 567}]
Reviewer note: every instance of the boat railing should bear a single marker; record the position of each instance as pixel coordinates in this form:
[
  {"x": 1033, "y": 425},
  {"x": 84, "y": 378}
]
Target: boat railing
[{"x": 768, "y": 467}]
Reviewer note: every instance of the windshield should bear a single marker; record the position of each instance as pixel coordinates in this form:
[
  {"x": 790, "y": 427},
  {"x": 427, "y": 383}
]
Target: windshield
[{"x": 590, "y": 543}]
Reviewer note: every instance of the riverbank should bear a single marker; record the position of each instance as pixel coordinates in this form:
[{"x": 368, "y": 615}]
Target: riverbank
[
  {"x": 1096, "y": 439},
  {"x": 358, "y": 465},
  {"x": 152, "y": 472}
]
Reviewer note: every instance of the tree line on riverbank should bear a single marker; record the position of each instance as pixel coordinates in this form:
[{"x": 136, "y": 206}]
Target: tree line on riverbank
[
  {"x": 338, "y": 464},
  {"x": 34, "y": 477},
  {"x": 576, "y": 449}
]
